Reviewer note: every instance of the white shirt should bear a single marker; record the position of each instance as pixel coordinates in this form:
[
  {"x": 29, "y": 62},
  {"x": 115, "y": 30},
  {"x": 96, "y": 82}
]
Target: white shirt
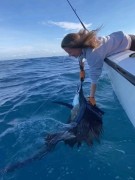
[{"x": 111, "y": 44}]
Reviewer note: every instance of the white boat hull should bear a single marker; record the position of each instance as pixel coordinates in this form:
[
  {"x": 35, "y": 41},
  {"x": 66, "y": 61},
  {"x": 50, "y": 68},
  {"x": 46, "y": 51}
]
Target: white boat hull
[{"x": 123, "y": 88}]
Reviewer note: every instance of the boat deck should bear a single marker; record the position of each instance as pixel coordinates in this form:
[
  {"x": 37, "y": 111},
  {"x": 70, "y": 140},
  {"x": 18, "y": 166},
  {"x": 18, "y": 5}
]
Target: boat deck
[
  {"x": 122, "y": 59},
  {"x": 123, "y": 64}
]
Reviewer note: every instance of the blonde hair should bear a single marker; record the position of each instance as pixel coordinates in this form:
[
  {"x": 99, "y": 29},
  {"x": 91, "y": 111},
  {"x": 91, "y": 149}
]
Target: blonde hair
[{"x": 82, "y": 39}]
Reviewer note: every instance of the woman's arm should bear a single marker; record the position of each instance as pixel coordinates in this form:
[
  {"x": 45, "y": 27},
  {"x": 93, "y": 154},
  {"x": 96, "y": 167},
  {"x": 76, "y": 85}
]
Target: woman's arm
[
  {"x": 92, "y": 90},
  {"x": 92, "y": 94}
]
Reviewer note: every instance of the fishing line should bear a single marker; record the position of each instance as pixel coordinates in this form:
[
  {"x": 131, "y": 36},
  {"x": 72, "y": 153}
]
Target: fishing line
[{"x": 35, "y": 111}]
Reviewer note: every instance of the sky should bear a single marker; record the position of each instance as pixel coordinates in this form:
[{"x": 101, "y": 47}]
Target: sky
[{"x": 35, "y": 28}]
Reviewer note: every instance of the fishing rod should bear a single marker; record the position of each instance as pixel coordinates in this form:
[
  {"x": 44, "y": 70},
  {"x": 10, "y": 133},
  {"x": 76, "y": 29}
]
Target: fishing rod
[
  {"x": 81, "y": 64},
  {"x": 76, "y": 15}
]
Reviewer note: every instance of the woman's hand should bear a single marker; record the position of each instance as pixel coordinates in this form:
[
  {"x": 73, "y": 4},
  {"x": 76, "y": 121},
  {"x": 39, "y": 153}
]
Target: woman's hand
[{"x": 92, "y": 101}]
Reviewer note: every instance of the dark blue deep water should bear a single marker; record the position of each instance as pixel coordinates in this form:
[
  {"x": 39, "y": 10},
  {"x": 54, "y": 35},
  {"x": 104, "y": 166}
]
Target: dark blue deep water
[{"x": 27, "y": 89}]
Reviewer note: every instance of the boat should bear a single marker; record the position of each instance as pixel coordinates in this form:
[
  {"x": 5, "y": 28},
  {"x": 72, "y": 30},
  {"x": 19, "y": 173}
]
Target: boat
[{"x": 121, "y": 70}]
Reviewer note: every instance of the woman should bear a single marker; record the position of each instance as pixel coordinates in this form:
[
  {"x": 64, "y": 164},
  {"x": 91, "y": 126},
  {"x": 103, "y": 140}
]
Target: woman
[{"x": 95, "y": 49}]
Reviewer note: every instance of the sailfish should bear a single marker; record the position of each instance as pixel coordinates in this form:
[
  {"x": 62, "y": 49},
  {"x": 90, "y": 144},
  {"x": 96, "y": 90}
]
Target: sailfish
[{"x": 84, "y": 125}]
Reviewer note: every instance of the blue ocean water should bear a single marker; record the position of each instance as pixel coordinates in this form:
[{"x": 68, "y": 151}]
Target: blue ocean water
[{"x": 27, "y": 89}]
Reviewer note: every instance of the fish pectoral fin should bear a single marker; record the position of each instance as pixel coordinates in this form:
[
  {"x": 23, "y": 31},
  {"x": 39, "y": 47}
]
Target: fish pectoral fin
[{"x": 64, "y": 104}]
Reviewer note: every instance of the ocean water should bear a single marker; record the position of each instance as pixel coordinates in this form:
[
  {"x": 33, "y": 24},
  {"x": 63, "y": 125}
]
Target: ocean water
[{"x": 27, "y": 89}]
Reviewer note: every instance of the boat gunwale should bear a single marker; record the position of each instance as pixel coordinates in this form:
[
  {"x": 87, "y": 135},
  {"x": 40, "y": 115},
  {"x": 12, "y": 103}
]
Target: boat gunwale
[{"x": 127, "y": 75}]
